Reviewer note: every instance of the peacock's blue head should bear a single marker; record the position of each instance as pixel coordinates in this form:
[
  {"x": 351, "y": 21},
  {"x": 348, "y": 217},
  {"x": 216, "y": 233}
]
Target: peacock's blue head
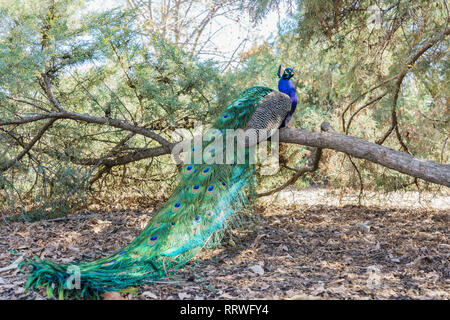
[{"x": 287, "y": 73}]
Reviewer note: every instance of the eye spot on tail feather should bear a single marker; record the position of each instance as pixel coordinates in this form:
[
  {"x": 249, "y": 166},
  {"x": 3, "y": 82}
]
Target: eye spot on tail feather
[{"x": 152, "y": 240}]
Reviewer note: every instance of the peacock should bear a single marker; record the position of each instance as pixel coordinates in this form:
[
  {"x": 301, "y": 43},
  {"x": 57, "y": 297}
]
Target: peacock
[{"x": 208, "y": 198}]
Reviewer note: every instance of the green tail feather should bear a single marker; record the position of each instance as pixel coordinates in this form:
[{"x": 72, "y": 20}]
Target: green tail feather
[{"x": 197, "y": 213}]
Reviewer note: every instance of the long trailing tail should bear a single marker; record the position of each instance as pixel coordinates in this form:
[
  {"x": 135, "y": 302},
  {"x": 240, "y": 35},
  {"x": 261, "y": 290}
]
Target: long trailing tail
[
  {"x": 201, "y": 207},
  {"x": 176, "y": 233}
]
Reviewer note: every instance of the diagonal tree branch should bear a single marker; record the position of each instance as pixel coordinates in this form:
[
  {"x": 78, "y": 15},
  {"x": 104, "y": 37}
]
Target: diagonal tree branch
[
  {"x": 384, "y": 82},
  {"x": 299, "y": 172},
  {"x": 402, "y": 162},
  {"x": 90, "y": 119},
  {"x": 28, "y": 147},
  {"x": 408, "y": 66},
  {"x": 361, "y": 108}
]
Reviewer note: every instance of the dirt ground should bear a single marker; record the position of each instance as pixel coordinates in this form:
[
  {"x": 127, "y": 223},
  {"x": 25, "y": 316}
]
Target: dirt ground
[{"x": 304, "y": 245}]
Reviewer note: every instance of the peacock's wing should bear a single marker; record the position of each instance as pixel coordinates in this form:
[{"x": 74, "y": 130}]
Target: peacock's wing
[
  {"x": 267, "y": 117},
  {"x": 270, "y": 112}
]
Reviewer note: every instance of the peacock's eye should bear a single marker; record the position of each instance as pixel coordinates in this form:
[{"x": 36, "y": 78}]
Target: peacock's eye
[{"x": 152, "y": 240}]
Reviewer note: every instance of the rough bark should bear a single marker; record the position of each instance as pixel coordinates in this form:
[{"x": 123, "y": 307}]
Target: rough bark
[{"x": 402, "y": 162}]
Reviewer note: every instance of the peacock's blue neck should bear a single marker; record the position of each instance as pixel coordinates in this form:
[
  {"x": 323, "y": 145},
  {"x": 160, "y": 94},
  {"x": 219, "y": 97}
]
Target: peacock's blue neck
[{"x": 287, "y": 86}]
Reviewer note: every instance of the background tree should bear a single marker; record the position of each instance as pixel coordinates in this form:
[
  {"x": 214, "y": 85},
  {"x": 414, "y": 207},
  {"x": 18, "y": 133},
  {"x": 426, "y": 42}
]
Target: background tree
[
  {"x": 57, "y": 56},
  {"x": 195, "y": 27},
  {"x": 374, "y": 69}
]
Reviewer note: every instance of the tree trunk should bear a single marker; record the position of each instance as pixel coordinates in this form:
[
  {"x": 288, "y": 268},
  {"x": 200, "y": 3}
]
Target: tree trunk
[{"x": 359, "y": 148}]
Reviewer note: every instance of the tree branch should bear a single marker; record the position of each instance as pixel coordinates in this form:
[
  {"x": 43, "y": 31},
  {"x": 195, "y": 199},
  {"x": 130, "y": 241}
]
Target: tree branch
[
  {"x": 28, "y": 147},
  {"x": 363, "y": 95},
  {"x": 356, "y": 147},
  {"x": 402, "y": 162},
  {"x": 125, "y": 159},
  {"x": 408, "y": 66},
  {"x": 299, "y": 172},
  {"x": 90, "y": 119}
]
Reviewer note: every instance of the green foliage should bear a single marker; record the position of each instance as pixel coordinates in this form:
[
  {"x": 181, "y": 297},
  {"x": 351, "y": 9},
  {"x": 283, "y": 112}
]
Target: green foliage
[{"x": 98, "y": 65}]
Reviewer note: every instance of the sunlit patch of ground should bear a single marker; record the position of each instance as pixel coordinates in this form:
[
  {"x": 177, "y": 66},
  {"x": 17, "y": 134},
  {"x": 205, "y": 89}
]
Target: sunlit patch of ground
[{"x": 305, "y": 245}]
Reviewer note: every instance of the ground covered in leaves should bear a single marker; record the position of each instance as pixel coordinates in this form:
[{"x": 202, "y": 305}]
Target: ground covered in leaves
[{"x": 303, "y": 245}]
